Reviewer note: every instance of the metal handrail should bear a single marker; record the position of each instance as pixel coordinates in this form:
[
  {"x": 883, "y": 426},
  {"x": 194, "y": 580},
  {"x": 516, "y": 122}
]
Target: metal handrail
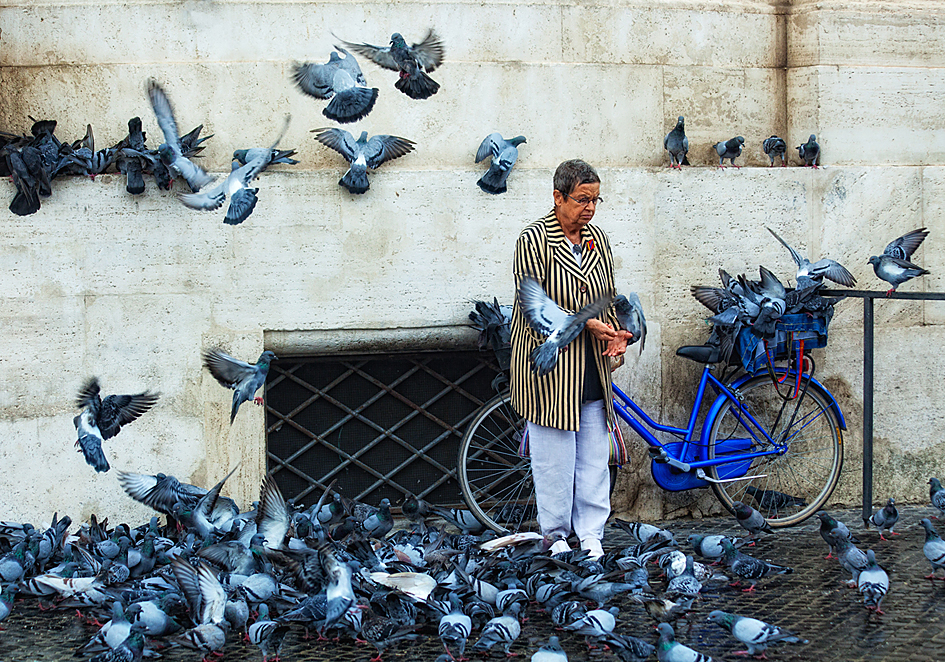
[{"x": 868, "y": 296}]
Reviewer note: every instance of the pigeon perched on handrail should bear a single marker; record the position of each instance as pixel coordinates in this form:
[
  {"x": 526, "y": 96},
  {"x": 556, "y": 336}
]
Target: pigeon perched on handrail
[
  {"x": 503, "y": 154},
  {"x": 171, "y": 150},
  {"x": 413, "y": 62},
  {"x": 893, "y": 266},
  {"x": 773, "y": 147},
  {"x": 810, "y": 152},
  {"x": 677, "y": 144},
  {"x": 362, "y": 153},
  {"x": 243, "y": 378},
  {"x": 341, "y": 80}
]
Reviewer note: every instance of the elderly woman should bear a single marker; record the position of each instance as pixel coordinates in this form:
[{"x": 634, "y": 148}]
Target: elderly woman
[{"x": 568, "y": 411}]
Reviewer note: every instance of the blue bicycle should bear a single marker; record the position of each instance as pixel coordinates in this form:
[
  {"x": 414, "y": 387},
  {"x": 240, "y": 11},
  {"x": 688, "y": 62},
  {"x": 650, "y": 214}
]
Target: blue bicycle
[{"x": 772, "y": 438}]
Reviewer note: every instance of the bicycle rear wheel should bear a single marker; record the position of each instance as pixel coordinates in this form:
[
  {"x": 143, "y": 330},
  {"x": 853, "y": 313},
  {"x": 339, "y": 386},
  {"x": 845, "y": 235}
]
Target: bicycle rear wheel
[
  {"x": 805, "y": 474},
  {"x": 496, "y": 483}
]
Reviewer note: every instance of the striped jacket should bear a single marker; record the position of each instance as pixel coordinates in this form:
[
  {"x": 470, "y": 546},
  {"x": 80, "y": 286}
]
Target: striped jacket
[{"x": 544, "y": 253}]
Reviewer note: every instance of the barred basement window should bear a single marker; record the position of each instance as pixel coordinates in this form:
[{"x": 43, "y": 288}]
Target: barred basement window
[{"x": 383, "y": 425}]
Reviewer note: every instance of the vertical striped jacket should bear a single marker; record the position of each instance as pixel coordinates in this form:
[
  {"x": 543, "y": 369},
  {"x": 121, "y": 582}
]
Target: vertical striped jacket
[{"x": 544, "y": 253}]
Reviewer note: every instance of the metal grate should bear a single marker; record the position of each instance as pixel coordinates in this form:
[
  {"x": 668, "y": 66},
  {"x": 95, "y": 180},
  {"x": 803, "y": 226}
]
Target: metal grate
[{"x": 383, "y": 425}]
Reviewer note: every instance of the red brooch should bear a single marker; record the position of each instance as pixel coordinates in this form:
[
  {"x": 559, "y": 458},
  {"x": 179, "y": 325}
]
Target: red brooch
[{"x": 590, "y": 244}]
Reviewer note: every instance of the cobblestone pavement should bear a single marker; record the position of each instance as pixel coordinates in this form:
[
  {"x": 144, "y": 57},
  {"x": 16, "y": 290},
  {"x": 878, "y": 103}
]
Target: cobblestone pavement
[{"x": 813, "y": 601}]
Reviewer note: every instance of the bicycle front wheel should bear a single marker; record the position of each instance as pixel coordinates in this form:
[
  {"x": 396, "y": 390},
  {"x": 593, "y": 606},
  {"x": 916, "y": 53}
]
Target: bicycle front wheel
[
  {"x": 496, "y": 483},
  {"x": 788, "y": 487}
]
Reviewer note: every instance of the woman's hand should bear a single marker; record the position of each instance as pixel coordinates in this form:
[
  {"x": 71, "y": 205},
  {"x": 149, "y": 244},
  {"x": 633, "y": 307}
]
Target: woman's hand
[
  {"x": 616, "y": 340},
  {"x": 601, "y": 331},
  {"x": 618, "y": 345}
]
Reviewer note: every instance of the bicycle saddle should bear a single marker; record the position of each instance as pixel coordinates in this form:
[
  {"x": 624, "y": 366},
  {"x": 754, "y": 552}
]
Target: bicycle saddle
[{"x": 699, "y": 353}]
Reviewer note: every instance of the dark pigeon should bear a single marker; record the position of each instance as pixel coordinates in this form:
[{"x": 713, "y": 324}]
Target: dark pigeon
[
  {"x": 677, "y": 144},
  {"x": 750, "y": 519},
  {"x": 885, "y": 518},
  {"x": 773, "y": 147},
  {"x": 629, "y": 313},
  {"x": 810, "y": 152},
  {"x": 243, "y": 378},
  {"x": 412, "y": 62},
  {"x": 730, "y": 149}
]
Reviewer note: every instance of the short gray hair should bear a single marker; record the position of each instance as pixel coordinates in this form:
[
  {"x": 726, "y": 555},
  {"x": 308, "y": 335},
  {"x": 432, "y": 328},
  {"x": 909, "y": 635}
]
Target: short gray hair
[{"x": 571, "y": 174}]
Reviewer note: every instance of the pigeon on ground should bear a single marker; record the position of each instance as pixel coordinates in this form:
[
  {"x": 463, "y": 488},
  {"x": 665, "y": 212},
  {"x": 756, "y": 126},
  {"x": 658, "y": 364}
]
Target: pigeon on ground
[
  {"x": 756, "y": 635},
  {"x": 773, "y": 147},
  {"x": 885, "y": 518},
  {"x": 817, "y": 271},
  {"x": 772, "y": 501},
  {"x": 206, "y": 602},
  {"x": 462, "y": 519},
  {"x": 503, "y": 630},
  {"x": 503, "y": 154},
  {"x": 627, "y": 648},
  {"x": 243, "y": 378},
  {"x": 102, "y": 419},
  {"x": 852, "y": 558},
  {"x": 550, "y": 652},
  {"x": 129, "y": 650},
  {"x": 750, "y": 568},
  {"x": 171, "y": 151},
  {"x": 832, "y": 530},
  {"x": 937, "y": 494},
  {"x": 629, "y": 313},
  {"x": 669, "y": 650},
  {"x": 934, "y": 548},
  {"x": 268, "y": 635},
  {"x": 677, "y": 144},
  {"x": 413, "y": 62},
  {"x": 642, "y": 532},
  {"x": 710, "y": 547},
  {"x": 595, "y": 624},
  {"x": 549, "y": 319},
  {"x": 362, "y": 153},
  {"x": 809, "y": 152},
  {"x": 750, "y": 519},
  {"x": 893, "y": 266},
  {"x": 663, "y": 610},
  {"x": 730, "y": 149},
  {"x": 684, "y": 584},
  {"x": 163, "y": 493},
  {"x": 873, "y": 583},
  {"x": 341, "y": 80},
  {"x": 454, "y": 628}
]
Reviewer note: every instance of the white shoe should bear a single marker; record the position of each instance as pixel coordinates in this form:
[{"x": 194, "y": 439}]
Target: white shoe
[
  {"x": 593, "y": 547},
  {"x": 559, "y": 547}
]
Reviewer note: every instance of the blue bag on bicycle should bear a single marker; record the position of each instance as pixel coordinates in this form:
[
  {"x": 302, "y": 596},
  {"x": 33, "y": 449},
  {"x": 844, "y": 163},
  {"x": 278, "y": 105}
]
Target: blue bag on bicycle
[{"x": 791, "y": 329}]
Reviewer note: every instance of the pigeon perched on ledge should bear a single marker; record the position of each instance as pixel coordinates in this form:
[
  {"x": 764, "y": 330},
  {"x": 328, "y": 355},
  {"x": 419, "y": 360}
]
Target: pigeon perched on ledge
[
  {"x": 730, "y": 149},
  {"x": 677, "y": 144},
  {"x": 810, "y": 152},
  {"x": 773, "y": 147}
]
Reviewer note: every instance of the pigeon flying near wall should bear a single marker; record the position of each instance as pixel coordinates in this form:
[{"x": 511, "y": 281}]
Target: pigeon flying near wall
[
  {"x": 730, "y": 149},
  {"x": 817, "y": 271},
  {"x": 412, "y": 62},
  {"x": 172, "y": 151},
  {"x": 629, "y": 313},
  {"x": 243, "y": 378},
  {"x": 810, "y": 152},
  {"x": 362, "y": 154},
  {"x": 549, "y": 319},
  {"x": 503, "y": 153},
  {"x": 773, "y": 147},
  {"x": 893, "y": 266},
  {"x": 340, "y": 79},
  {"x": 677, "y": 144},
  {"x": 102, "y": 419}
]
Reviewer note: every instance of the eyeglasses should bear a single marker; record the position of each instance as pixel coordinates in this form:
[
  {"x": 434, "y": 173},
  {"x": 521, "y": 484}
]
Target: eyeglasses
[{"x": 584, "y": 202}]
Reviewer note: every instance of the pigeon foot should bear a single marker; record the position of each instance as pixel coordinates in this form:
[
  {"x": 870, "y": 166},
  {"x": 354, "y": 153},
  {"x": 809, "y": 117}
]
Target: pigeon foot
[{"x": 258, "y": 400}]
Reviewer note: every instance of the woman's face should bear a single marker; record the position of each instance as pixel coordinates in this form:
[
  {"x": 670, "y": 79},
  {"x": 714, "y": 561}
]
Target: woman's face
[{"x": 574, "y": 214}]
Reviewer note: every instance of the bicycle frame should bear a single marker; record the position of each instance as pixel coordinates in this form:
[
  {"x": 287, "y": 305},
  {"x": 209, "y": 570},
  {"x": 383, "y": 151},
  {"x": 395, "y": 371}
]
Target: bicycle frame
[{"x": 676, "y": 466}]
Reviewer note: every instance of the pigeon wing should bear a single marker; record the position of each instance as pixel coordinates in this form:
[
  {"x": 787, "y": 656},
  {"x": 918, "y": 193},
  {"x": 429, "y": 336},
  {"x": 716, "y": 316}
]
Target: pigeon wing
[
  {"x": 576, "y": 322},
  {"x": 339, "y": 140},
  {"x": 541, "y": 313},
  {"x": 378, "y": 55},
  {"x": 382, "y": 148},
  {"x": 798, "y": 259},
  {"x": 165, "y": 116},
  {"x": 903, "y": 247},
  {"x": 272, "y": 518},
  {"x": 429, "y": 52},
  {"x": 489, "y": 147},
  {"x": 119, "y": 410},
  {"x": 832, "y": 270},
  {"x": 314, "y": 79},
  {"x": 159, "y": 492},
  {"x": 349, "y": 64},
  {"x": 227, "y": 370}
]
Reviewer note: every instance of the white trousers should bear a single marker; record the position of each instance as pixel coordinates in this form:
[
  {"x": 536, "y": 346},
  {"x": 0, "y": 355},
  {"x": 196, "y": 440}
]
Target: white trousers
[{"x": 572, "y": 476}]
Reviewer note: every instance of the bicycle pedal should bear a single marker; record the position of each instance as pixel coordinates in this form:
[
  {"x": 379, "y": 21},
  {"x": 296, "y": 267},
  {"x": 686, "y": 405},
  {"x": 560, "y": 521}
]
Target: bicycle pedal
[{"x": 657, "y": 454}]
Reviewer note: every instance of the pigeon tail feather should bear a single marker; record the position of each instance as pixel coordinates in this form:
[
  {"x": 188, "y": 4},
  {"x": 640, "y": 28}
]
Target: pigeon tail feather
[
  {"x": 355, "y": 180},
  {"x": 417, "y": 85},
  {"x": 351, "y": 105}
]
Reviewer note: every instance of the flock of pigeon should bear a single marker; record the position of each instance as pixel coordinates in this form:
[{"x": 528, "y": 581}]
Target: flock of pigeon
[{"x": 341, "y": 568}]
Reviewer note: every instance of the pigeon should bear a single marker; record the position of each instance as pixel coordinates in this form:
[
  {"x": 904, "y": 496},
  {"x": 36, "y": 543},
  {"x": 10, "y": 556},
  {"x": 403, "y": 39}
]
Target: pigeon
[
  {"x": 102, "y": 419},
  {"x": 817, "y": 271},
  {"x": 462, "y": 519},
  {"x": 809, "y": 152},
  {"x": 25, "y": 179},
  {"x": 934, "y": 548},
  {"x": 773, "y": 147},
  {"x": 341, "y": 80},
  {"x": 163, "y": 493},
  {"x": 873, "y": 583},
  {"x": 549, "y": 319},
  {"x": 362, "y": 154},
  {"x": 677, "y": 144},
  {"x": 595, "y": 624},
  {"x": 832, "y": 530},
  {"x": 710, "y": 547},
  {"x": 756, "y": 635},
  {"x": 750, "y": 519},
  {"x": 885, "y": 518},
  {"x": 550, "y": 652},
  {"x": 748, "y": 567},
  {"x": 663, "y": 610},
  {"x": 893, "y": 266},
  {"x": 171, "y": 151},
  {"x": 503, "y": 630},
  {"x": 131, "y": 649},
  {"x": 268, "y": 635},
  {"x": 413, "y": 62},
  {"x": 236, "y": 185},
  {"x": 730, "y": 149},
  {"x": 243, "y": 378},
  {"x": 684, "y": 584},
  {"x": 937, "y": 494},
  {"x": 454, "y": 628},
  {"x": 851, "y": 558},
  {"x": 629, "y": 313},
  {"x": 339, "y": 593},
  {"x": 503, "y": 153},
  {"x": 272, "y": 516},
  {"x": 627, "y": 648},
  {"x": 669, "y": 650},
  {"x": 133, "y": 158},
  {"x": 773, "y": 501}
]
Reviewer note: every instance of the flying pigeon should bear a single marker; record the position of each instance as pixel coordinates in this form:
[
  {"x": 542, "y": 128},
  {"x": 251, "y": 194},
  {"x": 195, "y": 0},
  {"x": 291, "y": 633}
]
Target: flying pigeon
[
  {"x": 549, "y": 319},
  {"x": 750, "y": 519},
  {"x": 413, "y": 62},
  {"x": 102, "y": 419},
  {"x": 873, "y": 583},
  {"x": 893, "y": 266},
  {"x": 934, "y": 548},
  {"x": 756, "y": 635},
  {"x": 809, "y": 152},
  {"x": 341, "y": 80},
  {"x": 362, "y": 153},
  {"x": 677, "y": 144},
  {"x": 773, "y": 147},
  {"x": 503, "y": 153},
  {"x": 243, "y": 378},
  {"x": 172, "y": 151},
  {"x": 669, "y": 650},
  {"x": 629, "y": 313},
  {"x": 817, "y": 271},
  {"x": 730, "y": 149},
  {"x": 937, "y": 494},
  {"x": 885, "y": 518}
]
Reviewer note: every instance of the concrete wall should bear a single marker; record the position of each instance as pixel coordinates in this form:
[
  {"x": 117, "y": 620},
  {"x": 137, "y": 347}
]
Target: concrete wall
[{"x": 132, "y": 288}]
